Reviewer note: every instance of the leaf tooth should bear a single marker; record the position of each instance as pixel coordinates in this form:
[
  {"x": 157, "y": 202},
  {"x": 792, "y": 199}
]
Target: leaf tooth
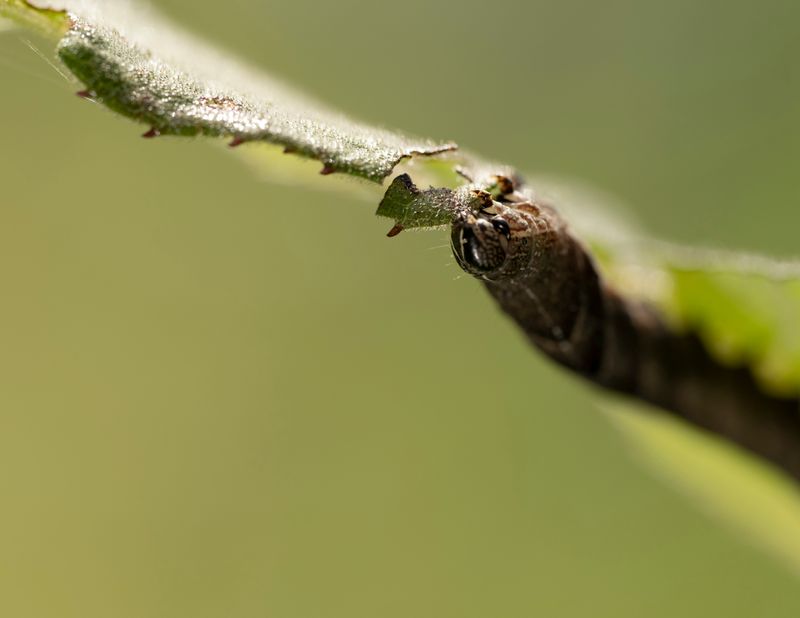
[{"x": 395, "y": 231}]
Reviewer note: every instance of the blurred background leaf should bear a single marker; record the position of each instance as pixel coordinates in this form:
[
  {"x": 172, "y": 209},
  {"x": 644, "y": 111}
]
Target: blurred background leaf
[
  {"x": 741, "y": 491},
  {"x": 222, "y": 396}
]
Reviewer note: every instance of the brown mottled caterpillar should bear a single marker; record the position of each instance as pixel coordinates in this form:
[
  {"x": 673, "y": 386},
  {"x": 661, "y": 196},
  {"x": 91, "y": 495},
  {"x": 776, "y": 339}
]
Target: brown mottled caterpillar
[{"x": 545, "y": 279}]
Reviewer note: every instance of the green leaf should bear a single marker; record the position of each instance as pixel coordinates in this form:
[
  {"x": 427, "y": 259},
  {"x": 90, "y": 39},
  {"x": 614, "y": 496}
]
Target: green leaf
[
  {"x": 185, "y": 89},
  {"x": 410, "y": 207},
  {"x": 745, "y": 319},
  {"x": 140, "y": 85},
  {"x": 149, "y": 71},
  {"x": 745, "y": 308}
]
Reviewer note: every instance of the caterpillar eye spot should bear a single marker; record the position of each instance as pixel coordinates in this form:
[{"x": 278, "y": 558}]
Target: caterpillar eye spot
[
  {"x": 478, "y": 247},
  {"x": 501, "y": 226}
]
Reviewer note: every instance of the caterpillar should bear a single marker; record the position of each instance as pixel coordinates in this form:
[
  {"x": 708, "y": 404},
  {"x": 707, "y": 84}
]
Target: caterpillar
[{"x": 546, "y": 281}]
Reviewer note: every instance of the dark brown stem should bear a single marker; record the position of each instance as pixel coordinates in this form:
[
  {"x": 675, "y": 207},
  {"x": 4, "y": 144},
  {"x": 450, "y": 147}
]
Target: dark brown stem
[{"x": 550, "y": 286}]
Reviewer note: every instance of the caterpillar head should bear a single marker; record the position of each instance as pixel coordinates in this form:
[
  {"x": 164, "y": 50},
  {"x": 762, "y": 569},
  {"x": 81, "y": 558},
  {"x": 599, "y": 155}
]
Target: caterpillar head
[{"x": 491, "y": 242}]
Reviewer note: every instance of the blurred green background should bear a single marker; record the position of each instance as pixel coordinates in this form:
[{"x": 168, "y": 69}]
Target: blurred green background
[{"x": 222, "y": 397}]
